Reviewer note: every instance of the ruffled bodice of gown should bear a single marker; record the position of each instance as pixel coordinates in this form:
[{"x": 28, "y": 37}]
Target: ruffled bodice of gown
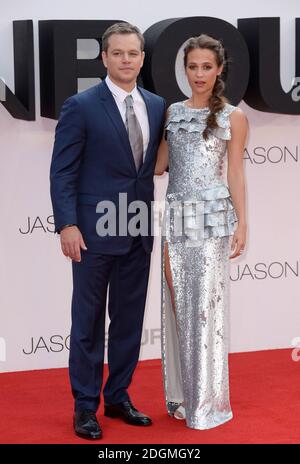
[{"x": 195, "y": 166}]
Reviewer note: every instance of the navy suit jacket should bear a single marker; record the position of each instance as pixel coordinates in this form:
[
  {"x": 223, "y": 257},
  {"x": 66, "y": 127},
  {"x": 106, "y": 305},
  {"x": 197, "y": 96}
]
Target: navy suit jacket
[{"x": 92, "y": 161}]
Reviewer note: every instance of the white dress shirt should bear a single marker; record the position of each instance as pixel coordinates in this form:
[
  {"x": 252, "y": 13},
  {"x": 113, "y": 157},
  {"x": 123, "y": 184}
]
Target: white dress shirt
[{"x": 139, "y": 107}]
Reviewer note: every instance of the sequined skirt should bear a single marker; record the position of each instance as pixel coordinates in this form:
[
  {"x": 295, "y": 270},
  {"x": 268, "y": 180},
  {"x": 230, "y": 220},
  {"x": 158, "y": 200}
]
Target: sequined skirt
[{"x": 195, "y": 343}]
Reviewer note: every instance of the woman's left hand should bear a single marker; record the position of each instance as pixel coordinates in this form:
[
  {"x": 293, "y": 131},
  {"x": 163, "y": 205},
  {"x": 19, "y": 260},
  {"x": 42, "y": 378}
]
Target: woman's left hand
[{"x": 238, "y": 241}]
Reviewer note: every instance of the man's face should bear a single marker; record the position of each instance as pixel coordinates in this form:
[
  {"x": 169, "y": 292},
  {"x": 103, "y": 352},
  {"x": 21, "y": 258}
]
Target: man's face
[{"x": 123, "y": 58}]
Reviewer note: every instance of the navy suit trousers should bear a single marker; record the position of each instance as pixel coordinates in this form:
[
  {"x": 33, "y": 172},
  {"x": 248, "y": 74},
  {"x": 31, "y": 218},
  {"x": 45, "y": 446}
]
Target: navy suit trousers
[{"x": 126, "y": 276}]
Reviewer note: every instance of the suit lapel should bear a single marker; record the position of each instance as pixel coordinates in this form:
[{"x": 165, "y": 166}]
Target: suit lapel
[
  {"x": 151, "y": 115},
  {"x": 113, "y": 112}
]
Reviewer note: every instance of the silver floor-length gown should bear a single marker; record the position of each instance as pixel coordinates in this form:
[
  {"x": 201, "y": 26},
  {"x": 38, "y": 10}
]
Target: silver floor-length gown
[{"x": 195, "y": 343}]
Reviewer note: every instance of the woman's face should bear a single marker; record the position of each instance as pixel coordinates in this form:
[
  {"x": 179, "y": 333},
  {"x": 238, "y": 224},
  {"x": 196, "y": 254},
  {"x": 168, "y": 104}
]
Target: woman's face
[{"x": 202, "y": 70}]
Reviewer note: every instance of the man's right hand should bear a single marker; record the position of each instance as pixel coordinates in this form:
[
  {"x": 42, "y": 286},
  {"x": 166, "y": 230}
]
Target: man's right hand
[{"x": 72, "y": 242}]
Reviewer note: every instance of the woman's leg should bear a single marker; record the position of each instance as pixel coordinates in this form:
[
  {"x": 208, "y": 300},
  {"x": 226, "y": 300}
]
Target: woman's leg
[
  {"x": 180, "y": 412},
  {"x": 168, "y": 275}
]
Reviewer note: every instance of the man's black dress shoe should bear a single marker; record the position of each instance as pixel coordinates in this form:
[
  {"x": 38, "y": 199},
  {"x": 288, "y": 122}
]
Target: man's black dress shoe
[
  {"x": 127, "y": 412},
  {"x": 86, "y": 424}
]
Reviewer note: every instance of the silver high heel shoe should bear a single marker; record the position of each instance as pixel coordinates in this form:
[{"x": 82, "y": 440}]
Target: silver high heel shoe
[{"x": 180, "y": 413}]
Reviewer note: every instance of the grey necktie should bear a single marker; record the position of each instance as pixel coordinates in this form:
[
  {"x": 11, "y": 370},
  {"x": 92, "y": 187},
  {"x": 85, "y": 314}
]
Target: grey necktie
[{"x": 134, "y": 132}]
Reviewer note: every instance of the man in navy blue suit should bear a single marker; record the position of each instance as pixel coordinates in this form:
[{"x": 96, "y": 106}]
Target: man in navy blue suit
[{"x": 105, "y": 149}]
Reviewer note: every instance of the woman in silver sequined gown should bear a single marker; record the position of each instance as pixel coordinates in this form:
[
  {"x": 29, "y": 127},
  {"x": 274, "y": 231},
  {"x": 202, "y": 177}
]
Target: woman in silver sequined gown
[{"x": 195, "y": 299}]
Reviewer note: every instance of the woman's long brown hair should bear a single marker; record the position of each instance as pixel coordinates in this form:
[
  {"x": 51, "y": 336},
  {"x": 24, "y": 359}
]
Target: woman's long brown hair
[{"x": 217, "y": 99}]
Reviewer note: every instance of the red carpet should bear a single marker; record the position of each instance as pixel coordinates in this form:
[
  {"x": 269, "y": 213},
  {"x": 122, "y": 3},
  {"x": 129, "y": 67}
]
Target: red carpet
[{"x": 36, "y": 406}]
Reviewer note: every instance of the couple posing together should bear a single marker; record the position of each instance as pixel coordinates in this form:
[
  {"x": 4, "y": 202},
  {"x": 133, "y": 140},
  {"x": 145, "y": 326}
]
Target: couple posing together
[{"x": 113, "y": 138}]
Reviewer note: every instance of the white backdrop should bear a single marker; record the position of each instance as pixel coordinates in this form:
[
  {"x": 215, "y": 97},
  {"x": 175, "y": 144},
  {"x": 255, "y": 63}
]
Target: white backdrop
[{"x": 36, "y": 279}]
